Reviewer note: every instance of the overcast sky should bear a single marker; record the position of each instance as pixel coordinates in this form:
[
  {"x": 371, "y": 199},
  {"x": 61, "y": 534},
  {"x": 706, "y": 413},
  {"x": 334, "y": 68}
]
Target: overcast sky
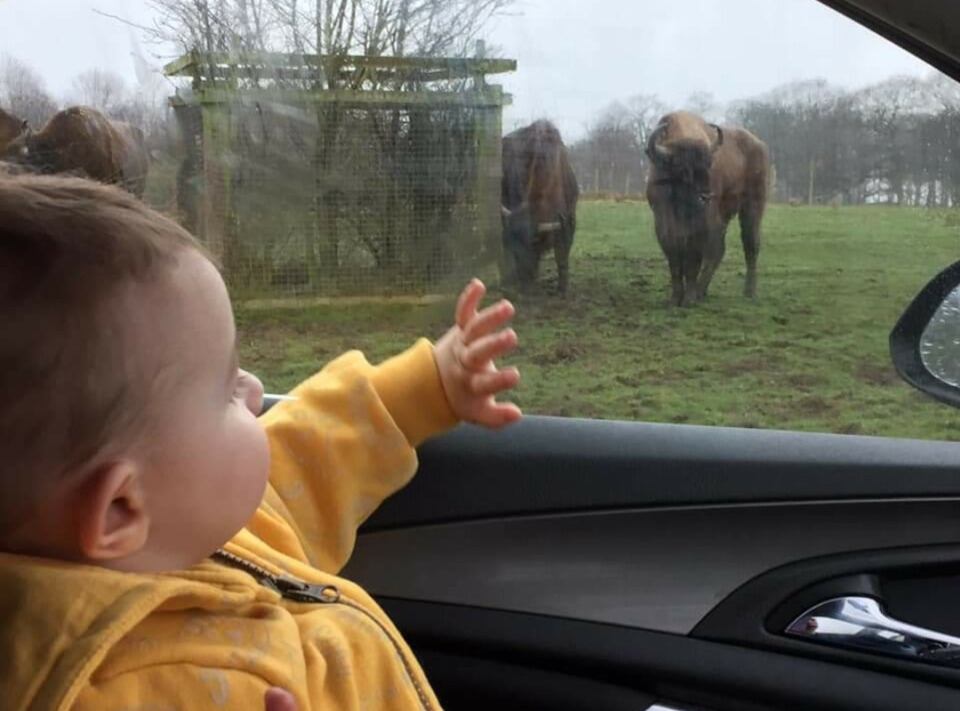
[{"x": 574, "y": 56}]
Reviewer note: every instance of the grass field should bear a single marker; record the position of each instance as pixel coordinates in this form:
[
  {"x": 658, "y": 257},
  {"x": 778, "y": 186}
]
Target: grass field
[{"x": 809, "y": 354}]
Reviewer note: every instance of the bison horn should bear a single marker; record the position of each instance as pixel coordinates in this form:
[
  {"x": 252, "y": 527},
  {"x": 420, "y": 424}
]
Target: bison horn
[
  {"x": 656, "y": 150},
  {"x": 504, "y": 211},
  {"x": 719, "y": 136},
  {"x": 545, "y": 227}
]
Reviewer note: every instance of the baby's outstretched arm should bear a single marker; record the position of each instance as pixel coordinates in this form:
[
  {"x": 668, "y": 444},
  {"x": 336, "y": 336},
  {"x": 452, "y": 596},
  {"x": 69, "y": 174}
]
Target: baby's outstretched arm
[
  {"x": 465, "y": 358},
  {"x": 349, "y": 440}
]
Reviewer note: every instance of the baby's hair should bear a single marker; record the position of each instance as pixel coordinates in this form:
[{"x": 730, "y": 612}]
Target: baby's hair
[{"x": 70, "y": 250}]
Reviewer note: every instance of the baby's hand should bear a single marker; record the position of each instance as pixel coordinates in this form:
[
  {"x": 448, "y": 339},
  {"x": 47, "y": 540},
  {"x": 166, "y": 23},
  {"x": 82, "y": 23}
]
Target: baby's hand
[
  {"x": 465, "y": 360},
  {"x": 277, "y": 699}
]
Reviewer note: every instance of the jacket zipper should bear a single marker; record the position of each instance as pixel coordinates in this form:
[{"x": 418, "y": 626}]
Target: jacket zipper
[{"x": 292, "y": 588}]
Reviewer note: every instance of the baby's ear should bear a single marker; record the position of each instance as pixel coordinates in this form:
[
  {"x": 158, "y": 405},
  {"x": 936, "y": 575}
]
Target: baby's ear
[{"x": 110, "y": 515}]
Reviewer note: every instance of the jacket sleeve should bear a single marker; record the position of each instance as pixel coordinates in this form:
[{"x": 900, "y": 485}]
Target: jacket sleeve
[
  {"x": 170, "y": 687},
  {"x": 343, "y": 446}
]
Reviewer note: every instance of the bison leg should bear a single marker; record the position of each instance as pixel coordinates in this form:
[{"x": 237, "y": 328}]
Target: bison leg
[
  {"x": 519, "y": 254},
  {"x": 527, "y": 262},
  {"x": 713, "y": 253},
  {"x": 672, "y": 246},
  {"x": 675, "y": 263},
  {"x": 561, "y": 252},
  {"x": 526, "y": 270},
  {"x": 692, "y": 261},
  {"x": 750, "y": 218}
]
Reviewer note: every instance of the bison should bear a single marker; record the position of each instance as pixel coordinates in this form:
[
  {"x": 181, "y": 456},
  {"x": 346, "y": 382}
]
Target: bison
[
  {"x": 538, "y": 203},
  {"x": 701, "y": 175},
  {"x": 83, "y": 141},
  {"x": 10, "y": 128}
]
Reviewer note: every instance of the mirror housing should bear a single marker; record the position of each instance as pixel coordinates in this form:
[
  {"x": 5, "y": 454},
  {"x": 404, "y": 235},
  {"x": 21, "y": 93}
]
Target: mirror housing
[{"x": 907, "y": 337}]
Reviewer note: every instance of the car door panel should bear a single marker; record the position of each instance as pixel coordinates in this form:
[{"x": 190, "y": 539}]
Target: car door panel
[
  {"x": 652, "y": 558},
  {"x": 679, "y": 671},
  {"x": 551, "y": 465},
  {"x": 914, "y": 584},
  {"x": 465, "y": 682},
  {"x": 659, "y": 569}
]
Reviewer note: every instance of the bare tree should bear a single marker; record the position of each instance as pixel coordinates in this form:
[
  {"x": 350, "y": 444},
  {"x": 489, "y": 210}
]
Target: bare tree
[
  {"x": 22, "y": 92},
  {"x": 142, "y": 106},
  {"x": 610, "y": 157},
  {"x": 703, "y": 104},
  {"x": 327, "y": 27},
  {"x": 894, "y": 141},
  {"x": 889, "y": 110},
  {"x": 645, "y": 111},
  {"x": 100, "y": 89}
]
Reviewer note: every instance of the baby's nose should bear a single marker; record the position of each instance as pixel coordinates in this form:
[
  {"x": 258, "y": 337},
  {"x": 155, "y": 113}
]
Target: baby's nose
[{"x": 253, "y": 397}]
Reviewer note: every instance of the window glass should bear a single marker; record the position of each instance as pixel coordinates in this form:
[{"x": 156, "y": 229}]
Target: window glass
[{"x": 352, "y": 163}]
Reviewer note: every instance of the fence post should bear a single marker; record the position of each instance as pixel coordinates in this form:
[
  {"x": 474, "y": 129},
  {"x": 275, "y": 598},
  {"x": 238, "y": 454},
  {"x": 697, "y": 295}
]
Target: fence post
[
  {"x": 216, "y": 200},
  {"x": 489, "y": 129}
]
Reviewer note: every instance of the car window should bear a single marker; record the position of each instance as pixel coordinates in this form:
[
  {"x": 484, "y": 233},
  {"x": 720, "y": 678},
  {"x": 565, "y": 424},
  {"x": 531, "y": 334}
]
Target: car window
[{"x": 352, "y": 163}]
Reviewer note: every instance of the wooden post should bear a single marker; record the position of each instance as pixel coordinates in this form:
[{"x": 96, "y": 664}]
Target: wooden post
[
  {"x": 216, "y": 199},
  {"x": 189, "y": 178},
  {"x": 480, "y": 79},
  {"x": 322, "y": 249},
  {"x": 489, "y": 131},
  {"x": 489, "y": 144}
]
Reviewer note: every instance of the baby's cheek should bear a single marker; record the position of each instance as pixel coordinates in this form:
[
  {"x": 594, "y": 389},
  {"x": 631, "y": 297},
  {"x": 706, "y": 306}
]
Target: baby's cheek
[{"x": 261, "y": 455}]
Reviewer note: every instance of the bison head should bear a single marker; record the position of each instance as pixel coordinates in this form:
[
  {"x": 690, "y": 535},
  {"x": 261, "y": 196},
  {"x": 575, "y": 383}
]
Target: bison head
[
  {"x": 10, "y": 128},
  {"x": 17, "y": 149},
  {"x": 683, "y": 166},
  {"x": 520, "y": 252}
]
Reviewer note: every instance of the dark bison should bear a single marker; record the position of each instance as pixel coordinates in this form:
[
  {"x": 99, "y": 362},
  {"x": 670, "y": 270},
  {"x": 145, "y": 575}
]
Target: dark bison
[
  {"x": 702, "y": 175},
  {"x": 538, "y": 203},
  {"x": 83, "y": 141}
]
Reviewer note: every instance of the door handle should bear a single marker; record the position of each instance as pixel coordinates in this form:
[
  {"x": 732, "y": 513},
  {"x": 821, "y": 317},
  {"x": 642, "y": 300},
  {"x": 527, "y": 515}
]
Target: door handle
[{"x": 860, "y": 623}]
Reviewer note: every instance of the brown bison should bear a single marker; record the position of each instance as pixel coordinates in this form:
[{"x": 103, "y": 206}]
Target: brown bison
[
  {"x": 83, "y": 141},
  {"x": 538, "y": 203},
  {"x": 10, "y": 128},
  {"x": 702, "y": 175}
]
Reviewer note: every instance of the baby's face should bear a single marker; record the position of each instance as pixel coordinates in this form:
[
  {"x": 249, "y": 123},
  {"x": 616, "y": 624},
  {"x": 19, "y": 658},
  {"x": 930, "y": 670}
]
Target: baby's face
[{"x": 206, "y": 455}]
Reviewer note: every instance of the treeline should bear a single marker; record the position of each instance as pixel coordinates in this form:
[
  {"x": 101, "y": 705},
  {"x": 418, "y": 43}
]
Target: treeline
[
  {"x": 895, "y": 142},
  {"x": 24, "y": 94}
]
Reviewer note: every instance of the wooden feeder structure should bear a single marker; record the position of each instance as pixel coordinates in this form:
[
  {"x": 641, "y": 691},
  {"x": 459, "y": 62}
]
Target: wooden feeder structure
[{"x": 337, "y": 174}]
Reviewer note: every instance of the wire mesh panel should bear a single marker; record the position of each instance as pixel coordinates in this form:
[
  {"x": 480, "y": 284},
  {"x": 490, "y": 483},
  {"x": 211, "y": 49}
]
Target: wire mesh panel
[{"x": 299, "y": 190}]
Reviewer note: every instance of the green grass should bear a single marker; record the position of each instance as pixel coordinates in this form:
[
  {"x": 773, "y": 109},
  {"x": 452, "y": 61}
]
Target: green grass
[{"x": 809, "y": 354}]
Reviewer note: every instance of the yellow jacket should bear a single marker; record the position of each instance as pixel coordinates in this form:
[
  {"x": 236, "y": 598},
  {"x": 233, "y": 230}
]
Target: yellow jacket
[{"x": 213, "y": 637}]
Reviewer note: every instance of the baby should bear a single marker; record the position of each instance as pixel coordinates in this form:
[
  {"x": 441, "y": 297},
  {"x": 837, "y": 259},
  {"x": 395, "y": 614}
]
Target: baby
[{"x": 162, "y": 547}]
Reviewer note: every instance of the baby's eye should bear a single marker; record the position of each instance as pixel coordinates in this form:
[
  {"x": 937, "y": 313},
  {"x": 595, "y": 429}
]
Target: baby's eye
[{"x": 240, "y": 385}]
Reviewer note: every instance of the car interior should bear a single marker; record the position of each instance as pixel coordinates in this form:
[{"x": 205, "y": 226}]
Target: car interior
[{"x": 569, "y": 563}]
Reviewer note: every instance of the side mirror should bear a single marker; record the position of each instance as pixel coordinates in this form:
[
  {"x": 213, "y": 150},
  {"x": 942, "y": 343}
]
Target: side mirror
[{"x": 925, "y": 343}]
